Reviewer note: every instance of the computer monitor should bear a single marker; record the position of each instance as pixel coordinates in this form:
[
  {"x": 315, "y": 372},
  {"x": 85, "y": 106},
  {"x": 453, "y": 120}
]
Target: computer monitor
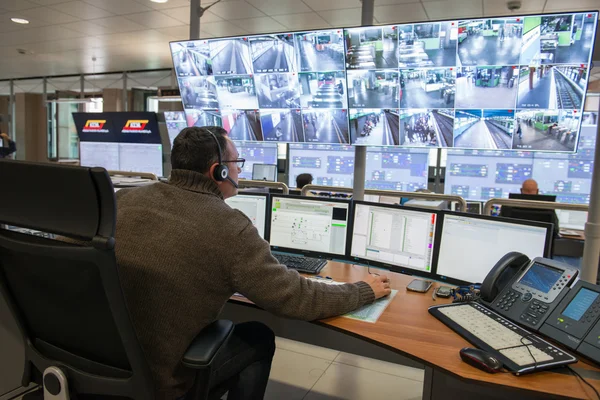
[
  {"x": 329, "y": 164},
  {"x": 255, "y": 153},
  {"x": 398, "y": 238},
  {"x": 264, "y": 172},
  {"x": 470, "y": 245},
  {"x": 254, "y": 205},
  {"x": 570, "y": 219},
  {"x": 309, "y": 225},
  {"x": 538, "y": 197}
]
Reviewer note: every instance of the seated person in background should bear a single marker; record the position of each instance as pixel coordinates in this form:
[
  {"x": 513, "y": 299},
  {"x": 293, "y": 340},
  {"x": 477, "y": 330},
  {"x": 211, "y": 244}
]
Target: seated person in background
[
  {"x": 530, "y": 186},
  {"x": 7, "y": 146},
  {"x": 303, "y": 180},
  {"x": 183, "y": 252}
]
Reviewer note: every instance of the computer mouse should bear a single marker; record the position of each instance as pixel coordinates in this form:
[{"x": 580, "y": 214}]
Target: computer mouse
[{"x": 480, "y": 359}]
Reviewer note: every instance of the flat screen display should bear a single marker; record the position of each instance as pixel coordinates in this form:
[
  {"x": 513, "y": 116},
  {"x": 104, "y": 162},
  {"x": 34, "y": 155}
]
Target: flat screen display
[
  {"x": 387, "y": 167},
  {"x": 485, "y": 174},
  {"x": 580, "y": 304},
  {"x": 541, "y": 277},
  {"x": 503, "y": 83},
  {"x": 175, "y": 121}
]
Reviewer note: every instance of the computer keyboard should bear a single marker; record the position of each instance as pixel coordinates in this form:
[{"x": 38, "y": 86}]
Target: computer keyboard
[
  {"x": 307, "y": 265},
  {"x": 498, "y": 336}
]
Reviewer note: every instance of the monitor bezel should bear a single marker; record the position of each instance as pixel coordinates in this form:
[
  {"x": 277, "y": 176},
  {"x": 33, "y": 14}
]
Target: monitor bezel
[
  {"x": 535, "y": 197},
  {"x": 246, "y": 193},
  {"x": 436, "y": 254},
  {"x": 310, "y": 253},
  {"x": 392, "y": 267}
]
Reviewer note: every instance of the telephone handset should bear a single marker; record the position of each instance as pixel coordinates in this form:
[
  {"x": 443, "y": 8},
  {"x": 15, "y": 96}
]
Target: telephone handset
[
  {"x": 503, "y": 272},
  {"x": 526, "y": 291}
]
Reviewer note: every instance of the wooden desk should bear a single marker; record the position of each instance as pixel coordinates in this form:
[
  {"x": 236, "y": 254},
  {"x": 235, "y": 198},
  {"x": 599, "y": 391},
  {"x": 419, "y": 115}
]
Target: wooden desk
[{"x": 406, "y": 327}]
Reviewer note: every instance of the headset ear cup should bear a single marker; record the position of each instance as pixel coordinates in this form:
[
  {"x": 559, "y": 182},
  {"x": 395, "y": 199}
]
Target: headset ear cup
[{"x": 221, "y": 172}]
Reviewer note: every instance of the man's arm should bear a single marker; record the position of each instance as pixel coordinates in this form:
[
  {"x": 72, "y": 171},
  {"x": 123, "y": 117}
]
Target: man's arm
[{"x": 256, "y": 274}]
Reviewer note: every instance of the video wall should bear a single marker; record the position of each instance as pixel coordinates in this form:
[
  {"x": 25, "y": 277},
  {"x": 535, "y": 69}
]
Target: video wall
[
  {"x": 483, "y": 175},
  {"x": 506, "y": 83}
]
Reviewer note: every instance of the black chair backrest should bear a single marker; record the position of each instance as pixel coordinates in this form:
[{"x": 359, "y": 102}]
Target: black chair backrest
[
  {"x": 531, "y": 214},
  {"x": 65, "y": 294}
]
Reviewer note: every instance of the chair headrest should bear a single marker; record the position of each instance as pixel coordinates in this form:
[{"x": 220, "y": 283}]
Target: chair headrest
[{"x": 77, "y": 202}]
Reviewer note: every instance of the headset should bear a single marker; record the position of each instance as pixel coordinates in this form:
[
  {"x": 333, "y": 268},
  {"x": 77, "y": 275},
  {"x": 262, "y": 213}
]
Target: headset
[{"x": 221, "y": 172}]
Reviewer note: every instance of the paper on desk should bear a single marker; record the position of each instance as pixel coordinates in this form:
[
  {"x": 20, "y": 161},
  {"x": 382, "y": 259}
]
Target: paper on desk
[{"x": 372, "y": 312}]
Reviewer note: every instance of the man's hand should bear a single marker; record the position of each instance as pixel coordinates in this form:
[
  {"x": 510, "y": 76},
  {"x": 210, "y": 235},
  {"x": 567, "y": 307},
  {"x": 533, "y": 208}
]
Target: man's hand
[
  {"x": 4, "y": 136},
  {"x": 380, "y": 285}
]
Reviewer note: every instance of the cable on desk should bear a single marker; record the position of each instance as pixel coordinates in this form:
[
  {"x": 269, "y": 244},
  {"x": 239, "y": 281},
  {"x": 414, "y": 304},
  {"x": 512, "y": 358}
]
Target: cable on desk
[{"x": 583, "y": 380}]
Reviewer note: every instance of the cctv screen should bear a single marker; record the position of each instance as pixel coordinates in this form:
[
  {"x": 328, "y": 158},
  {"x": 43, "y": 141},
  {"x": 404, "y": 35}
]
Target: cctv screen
[
  {"x": 470, "y": 247},
  {"x": 503, "y": 83},
  {"x": 175, "y": 121},
  {"x": 315, "y": 225},
  {"x": 255, "y": 208},
  {"x": 255, "y": 153},
  {"x": 482, "y": 175},
  {"x": 394, "y": 236}
]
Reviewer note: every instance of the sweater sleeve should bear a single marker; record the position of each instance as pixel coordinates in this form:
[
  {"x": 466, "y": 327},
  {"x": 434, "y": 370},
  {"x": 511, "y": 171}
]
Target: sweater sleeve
[
  {"x": 256, "y": 274},
  {"x": 6, "y": 151}
]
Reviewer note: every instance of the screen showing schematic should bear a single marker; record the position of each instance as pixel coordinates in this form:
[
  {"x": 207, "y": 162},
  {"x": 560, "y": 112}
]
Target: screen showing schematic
[
  {"x": 393, "y": 236},
  {"x": 254, "y": 207},
  {"x": 314, "y": 225}
]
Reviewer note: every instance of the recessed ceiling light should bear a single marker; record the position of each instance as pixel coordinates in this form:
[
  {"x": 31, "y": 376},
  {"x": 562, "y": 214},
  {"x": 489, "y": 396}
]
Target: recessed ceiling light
[
  {"x": 159, "y": 1},
  {"x": 19, "y": 20}
]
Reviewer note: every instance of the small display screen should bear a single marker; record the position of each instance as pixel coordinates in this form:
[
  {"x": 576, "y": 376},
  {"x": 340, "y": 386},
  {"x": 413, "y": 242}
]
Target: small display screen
[
  {"x": 541, "y": 277},
  {"x": 580, "y": 304}
]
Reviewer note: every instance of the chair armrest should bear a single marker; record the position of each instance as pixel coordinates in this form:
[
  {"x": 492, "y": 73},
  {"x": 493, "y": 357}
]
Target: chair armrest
[{"x": 207, "y": 344}]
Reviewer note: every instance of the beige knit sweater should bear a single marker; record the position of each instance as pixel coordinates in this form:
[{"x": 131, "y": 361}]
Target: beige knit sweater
[{"x": 182, "y": 252}]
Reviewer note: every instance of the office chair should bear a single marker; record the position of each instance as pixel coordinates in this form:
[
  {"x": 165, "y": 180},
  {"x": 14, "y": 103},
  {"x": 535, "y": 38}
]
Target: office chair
[{"x": 66, "y": 297}]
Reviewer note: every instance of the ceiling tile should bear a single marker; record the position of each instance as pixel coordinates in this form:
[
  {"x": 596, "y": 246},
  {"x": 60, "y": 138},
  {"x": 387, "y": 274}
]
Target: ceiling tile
[
  {"x": 119, "y": 24},
  {"x": 400, "y": 13},
  {"x": 279, "y": 7},
  {"x": 390, "y": 2},
  {"x": 62, "y": 45},
  {"x": 495, "y": 7},
  {"x": 81, "y": 10},
  {"x": 259, "y": 25},
  {"x": 6, "y": 25},
  {"x": 119, "y": 7},
  {"x": 579, "y": 5},
  {"x": 47, "y": 15},
  {"x": 181, "y": 32},
  {"x": 302, "y": 21},
  {"x": 235, "y": 10},
  {"x": 453, "y": 9},
  {"x": 154, "y": 19},
  {"x": 168, "y": 4},
  {"x": 321, "y": 5},
  {"x": 87, "y": 27},
  {"x": 16, "y": 5},
  {"x": 135, "y": 37},
  {"x": 224, "y": 28},
  {"x": 33, "y": 35},
  {"x": 339, "y": 18},
  {"x": 47, "y": 2},
  {"x": 183, "y": 14}
]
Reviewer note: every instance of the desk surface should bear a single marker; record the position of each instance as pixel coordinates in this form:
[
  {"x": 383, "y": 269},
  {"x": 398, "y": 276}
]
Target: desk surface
[{"x": 407, "y": 328}]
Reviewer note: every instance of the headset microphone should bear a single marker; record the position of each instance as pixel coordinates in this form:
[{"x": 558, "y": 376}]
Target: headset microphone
[{"x": 232, "y": 182}]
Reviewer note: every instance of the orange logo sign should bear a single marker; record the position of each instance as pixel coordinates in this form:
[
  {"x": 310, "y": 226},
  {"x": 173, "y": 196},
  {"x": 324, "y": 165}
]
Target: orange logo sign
[
  {"x": 94, "y": 124},
  {"x": 135, "y": 125}
]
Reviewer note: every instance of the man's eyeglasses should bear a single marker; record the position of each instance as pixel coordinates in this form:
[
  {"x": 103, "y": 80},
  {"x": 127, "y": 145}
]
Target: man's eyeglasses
[{"x": 240, "y": 162}]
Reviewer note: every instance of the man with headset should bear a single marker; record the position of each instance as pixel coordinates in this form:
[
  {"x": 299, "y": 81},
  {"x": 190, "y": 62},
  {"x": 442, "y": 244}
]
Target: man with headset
[{"x": 182, "y": 252}]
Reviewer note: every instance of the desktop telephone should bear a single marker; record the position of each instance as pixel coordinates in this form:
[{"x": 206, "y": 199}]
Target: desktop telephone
[
  {"x": 526, "y": 291},
  {"x": 575, "y": 322}
]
